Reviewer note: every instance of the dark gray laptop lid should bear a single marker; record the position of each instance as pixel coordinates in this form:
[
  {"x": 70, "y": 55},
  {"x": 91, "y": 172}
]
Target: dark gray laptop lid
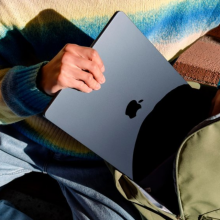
[{"x": 134, "y": 71}]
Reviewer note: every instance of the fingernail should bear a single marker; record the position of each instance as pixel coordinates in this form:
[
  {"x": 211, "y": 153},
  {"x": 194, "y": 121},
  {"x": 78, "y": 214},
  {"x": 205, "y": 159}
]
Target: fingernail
[
  {"x": 89, "y": 90},
  {"x": 103, "y": 68},
  {"x": 98, "y": 86},
  {"x": 102, "y": 80}
]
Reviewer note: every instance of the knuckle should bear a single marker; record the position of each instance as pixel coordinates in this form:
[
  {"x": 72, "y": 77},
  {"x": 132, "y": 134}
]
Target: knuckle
[
  {"x": 94, "y": 53},
  {"x": 89, "y": 77},
  {"x": 69, "y": 46},
  {"x": 65, "y": 57},
  {"x": 79, "y": 84},
  {"x": 94, "y": 66}
]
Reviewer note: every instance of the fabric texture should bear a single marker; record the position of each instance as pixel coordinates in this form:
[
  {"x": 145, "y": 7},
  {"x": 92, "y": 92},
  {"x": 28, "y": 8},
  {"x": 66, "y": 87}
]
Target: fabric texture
[
  {"x": 33, "y": 32},
  {"x": 86, "y": 184},
  {"x": 9, "y": 212},
  {"x": 21, "y": 93},
  {"x": 197, "y": 175}
]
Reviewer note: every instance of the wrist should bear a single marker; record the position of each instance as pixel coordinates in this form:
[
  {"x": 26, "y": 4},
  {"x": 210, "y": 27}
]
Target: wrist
[{"x": 39, "y": 79}]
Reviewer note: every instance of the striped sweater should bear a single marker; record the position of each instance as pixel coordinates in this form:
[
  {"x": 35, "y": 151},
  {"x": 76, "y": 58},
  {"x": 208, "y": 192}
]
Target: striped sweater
[{"x": 32, "y": 32}]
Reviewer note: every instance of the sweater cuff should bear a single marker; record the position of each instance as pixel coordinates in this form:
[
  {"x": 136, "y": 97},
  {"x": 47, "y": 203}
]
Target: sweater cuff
[{"x": 20, "y": 92}]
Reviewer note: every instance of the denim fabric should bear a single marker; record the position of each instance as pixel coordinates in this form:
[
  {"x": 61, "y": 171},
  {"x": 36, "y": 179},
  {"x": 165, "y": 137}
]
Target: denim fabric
[
  {"x": 9, "y": 212},
  {"x": 87, "y": 184},
  {"x": 9, "y": 172}
]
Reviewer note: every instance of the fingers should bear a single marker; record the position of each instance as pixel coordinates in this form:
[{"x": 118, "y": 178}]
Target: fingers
[
  {"x": 92, "y": 55},
  {"x": 72, "y": 77},
  {"x": 81, "y": 86},
  {"x": 87, "y": 59},
  {"x": 66, "y": 69},
  {"x": 73, "y": 73},
  {"x": 73, "y": 83},
  {"x": 88, "y": 79},
  {"x": 92, "y": 67},
  {"x": 85, "y": 52}
]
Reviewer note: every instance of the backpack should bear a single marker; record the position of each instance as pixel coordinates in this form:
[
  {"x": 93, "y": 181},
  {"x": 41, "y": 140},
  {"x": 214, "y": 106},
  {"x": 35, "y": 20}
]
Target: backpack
[{"x": 196, "y": 172}]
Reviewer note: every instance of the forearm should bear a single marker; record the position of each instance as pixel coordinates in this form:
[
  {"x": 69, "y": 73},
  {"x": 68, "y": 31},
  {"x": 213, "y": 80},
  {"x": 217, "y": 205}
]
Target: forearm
[{"x": 19, "y": 95}]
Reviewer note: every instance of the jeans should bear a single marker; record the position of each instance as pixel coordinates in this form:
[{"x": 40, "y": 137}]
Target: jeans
[{"x": 86, "y": 184}]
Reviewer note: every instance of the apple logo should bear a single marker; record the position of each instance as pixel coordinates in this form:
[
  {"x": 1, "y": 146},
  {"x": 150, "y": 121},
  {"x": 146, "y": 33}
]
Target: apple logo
[{"x": 132, "y": 108}]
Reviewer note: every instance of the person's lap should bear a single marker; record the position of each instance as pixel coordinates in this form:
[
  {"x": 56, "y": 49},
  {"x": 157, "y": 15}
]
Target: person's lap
[{"x": 86, "y": 184}]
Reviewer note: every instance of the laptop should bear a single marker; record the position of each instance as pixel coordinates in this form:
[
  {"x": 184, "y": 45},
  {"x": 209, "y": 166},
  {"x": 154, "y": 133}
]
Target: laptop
[{"x": 108, "y": 121}]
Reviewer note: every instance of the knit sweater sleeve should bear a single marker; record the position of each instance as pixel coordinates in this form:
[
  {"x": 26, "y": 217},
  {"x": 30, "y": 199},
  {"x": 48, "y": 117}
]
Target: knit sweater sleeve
[{"x": 19, "y": 95}]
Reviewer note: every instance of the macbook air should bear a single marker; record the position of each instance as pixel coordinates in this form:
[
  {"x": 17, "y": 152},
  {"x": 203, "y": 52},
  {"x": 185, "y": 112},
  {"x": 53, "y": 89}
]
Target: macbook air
[{"x": 138, "y": 77}]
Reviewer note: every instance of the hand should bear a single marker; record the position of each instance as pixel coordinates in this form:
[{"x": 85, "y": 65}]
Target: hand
[
  {"x": 75, "y": 67},
  {"x": 215, "y": 109}
]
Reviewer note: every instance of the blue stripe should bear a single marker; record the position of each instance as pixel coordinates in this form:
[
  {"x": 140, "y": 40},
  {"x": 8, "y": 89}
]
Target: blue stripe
[{"x": 168, "y": 24}]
